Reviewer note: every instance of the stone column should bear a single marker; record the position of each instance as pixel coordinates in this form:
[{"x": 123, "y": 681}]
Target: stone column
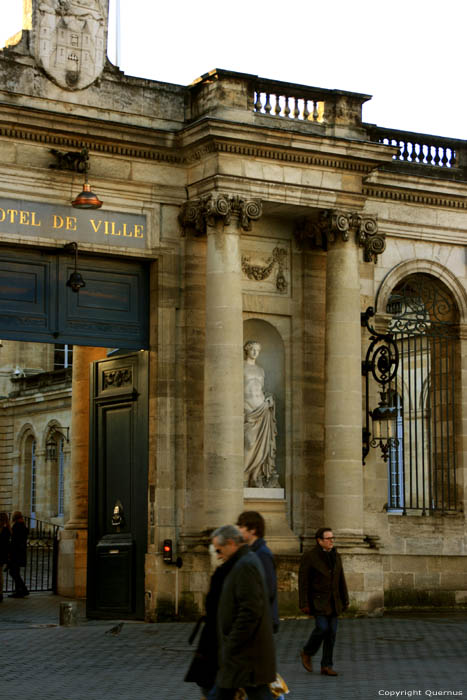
[
  {"x": 343, "y": 472},
  {"x": 73, "y": 544},
  {"x": 222, "y": 217}
]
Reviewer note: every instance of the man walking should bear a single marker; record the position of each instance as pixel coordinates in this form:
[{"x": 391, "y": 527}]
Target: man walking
[
  {"x": 252, "y": 526},
  {"x": 247, "y": 657},
  {"x": 323, "y": 594}
]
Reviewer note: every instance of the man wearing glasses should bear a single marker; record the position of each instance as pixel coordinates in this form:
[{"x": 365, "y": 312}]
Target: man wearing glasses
[
  {"x": 323, "y": 594},
  {"x": 247, "y": 657}
]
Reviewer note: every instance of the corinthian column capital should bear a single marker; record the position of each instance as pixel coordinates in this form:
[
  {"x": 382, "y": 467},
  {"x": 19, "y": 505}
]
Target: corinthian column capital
[
  {"x": 198, "y": 214},
  {"x": 332, "y": 224}
]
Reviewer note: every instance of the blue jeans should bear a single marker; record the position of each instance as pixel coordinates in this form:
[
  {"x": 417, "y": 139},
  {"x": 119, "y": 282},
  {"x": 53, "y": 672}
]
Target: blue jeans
[{"x": 324, "y": 631}]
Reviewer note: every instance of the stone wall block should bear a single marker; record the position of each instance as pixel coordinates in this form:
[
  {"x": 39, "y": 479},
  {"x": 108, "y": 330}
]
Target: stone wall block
[
  {"x": 427, "y": 581},
  {"x": 454, "y": 580},
  {"x": 399, "y": 580}
]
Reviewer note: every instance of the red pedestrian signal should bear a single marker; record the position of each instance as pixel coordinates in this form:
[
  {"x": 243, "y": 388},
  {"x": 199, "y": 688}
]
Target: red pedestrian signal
[{"x": 167, "y": 551}]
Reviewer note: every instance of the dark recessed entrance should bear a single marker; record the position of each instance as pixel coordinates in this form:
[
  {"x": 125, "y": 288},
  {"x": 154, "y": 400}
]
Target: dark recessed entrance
[{"x": 111, "y": 311}]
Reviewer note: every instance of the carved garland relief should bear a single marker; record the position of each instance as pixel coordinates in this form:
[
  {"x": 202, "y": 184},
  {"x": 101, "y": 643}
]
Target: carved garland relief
[{"x": 259, "y": 272}]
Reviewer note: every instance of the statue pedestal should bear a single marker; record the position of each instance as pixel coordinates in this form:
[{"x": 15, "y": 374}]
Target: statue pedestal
[
  {"x": 273, "y": 507},
  {"x": 263, "y": 494}
]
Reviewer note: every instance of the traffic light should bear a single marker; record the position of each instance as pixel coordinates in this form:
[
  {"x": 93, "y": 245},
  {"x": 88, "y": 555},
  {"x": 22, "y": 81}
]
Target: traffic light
[{"x": 167, "y": 551}]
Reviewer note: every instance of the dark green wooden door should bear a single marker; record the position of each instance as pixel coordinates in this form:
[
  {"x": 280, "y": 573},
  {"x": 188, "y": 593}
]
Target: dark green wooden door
[{"x": 118, "y": 487}]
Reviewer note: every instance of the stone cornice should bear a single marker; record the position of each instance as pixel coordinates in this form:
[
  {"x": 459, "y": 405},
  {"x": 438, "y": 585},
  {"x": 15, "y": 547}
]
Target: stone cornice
[
  {"x": 281, "y": 154},
  {"x": 332, "y": 224},
  {"x": 74, "y": 141},
  {"x": 414, "y": 197},
  {"x": 179, "y": 156},
  {"x": 199, "y": 214},
  {"x": 194, "y": 142}
]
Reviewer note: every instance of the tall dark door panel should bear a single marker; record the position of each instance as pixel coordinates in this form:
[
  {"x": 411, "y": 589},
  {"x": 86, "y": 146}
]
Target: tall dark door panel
[{"x": 118, "y": 487}]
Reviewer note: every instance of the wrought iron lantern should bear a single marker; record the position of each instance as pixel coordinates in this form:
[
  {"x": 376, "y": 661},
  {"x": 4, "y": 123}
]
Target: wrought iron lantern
[
  {"x": 51, "y": 444},
  {"x": 75, "y": 280},
  {"x": 381, "y": 362}
]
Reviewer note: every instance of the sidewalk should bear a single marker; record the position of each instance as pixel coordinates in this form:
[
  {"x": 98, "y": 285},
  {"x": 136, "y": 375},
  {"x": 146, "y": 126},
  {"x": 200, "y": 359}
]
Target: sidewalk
[{"x": 375, "y": 657}]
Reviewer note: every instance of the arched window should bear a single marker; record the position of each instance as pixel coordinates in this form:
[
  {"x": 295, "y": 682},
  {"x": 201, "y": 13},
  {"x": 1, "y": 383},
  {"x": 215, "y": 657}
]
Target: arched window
[{"x": 424, "y": 323}]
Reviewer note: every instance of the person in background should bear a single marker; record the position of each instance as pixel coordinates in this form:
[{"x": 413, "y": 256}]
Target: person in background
[
  {"x": 5, "y": 534},
  {"x": 323, "y": 594},
  {"x": 252, "y": 526},
  {"x": 17, "y": 554}
]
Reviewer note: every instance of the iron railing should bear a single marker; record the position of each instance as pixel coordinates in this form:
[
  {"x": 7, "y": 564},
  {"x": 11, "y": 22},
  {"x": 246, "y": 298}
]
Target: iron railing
[
  {"x": 422, "y": 465},
  {"x": 40, "y": 572}
]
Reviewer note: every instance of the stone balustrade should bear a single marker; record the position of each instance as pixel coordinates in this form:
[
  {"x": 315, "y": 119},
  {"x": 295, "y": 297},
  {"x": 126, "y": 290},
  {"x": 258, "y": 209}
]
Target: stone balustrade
[
  {"x": 422, "y": 149},
  {"x": 291, "y": 102},
  {"x": 224, "y": 91}
]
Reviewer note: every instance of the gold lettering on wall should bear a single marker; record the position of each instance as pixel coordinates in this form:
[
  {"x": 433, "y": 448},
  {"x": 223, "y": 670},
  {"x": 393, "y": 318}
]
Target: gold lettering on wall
[
  {"x": 69, "y": 222},
  {"x": 95, "y": 226},
  {"x": 21, "y": 217},
  {"x": 110, "y": 229}
]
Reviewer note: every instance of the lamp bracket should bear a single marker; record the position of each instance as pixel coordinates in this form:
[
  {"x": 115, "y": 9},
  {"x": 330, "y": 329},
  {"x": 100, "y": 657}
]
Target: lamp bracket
[
  {"x": 63, "y": 432},
  {"x": 74, "y": 161},
  {"x": 71, "y": 247},
  {"x": 382, "y": 357},
  {"x": 381, "y": 362}
]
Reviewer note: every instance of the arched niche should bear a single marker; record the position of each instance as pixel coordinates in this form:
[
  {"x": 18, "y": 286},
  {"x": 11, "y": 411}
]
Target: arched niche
[{"x": 272, "y": 360}]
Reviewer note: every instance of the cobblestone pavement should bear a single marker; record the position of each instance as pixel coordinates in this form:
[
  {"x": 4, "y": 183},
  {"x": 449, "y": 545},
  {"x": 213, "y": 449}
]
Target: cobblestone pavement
[{"x": 412, "y": 655}]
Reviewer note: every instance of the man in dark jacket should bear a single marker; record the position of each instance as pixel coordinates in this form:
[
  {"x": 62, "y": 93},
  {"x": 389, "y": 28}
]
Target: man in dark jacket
[
  {"x": 252, "y": 526},
  {"x": 246, "y": 657},
  {"x": 323, "y": 594},
  {"x": 17, "y": 555}
]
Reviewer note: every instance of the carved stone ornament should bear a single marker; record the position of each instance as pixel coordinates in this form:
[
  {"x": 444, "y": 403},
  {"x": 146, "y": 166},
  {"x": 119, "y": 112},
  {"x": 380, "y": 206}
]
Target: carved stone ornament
[
  {"x": 197, "y": 214},
  {"x": 373, "y": 242},
  {"x": 262, "y": 272},
  {"x": 117, "y": 377},
  {"x": 76, "y": 161},
  {"x": 330, "y": 224},
  {"x": 69, "y": 40}
]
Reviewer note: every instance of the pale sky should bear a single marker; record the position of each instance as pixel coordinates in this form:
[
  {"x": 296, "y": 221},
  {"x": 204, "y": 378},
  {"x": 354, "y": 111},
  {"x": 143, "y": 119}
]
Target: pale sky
[{"x": 409, "y": 54}]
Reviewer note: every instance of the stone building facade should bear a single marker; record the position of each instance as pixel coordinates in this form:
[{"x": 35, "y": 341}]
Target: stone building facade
[{"x": 255, "y": 210}]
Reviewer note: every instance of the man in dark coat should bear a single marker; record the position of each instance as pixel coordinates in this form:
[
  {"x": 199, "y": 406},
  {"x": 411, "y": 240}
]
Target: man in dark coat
[
  {"x": 17, "y": 554},
  {"x": 246, "y": 656},
  {"x": 204, "y": 666},
  {"x": 252, "y": 526},
  {"x": 323, "y": 594}
]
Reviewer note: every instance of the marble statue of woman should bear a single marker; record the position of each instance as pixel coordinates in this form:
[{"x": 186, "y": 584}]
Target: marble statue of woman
[{"x": 259, "y": 424}]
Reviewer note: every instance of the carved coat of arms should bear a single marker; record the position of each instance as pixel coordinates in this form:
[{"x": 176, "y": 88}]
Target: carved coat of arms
[{"x": 69, "y": 40}]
